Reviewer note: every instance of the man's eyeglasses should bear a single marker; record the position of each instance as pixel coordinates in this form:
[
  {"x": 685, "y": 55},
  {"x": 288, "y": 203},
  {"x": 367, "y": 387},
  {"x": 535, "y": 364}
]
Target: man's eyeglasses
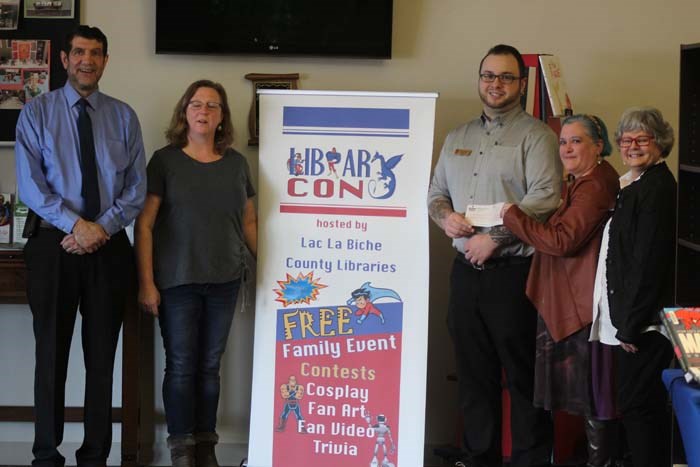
[
  {"x": 642, "y": 141},
  {"x": 505, "y": 78},
  {"x": 199, "y": 105}
]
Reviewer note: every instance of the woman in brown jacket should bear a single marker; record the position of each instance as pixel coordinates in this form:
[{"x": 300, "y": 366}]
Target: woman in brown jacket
[{"x": 560, "y": 284}]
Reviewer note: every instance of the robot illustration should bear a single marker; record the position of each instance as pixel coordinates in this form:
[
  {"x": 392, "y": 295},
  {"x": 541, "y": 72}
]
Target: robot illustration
[
  {"x": 291, "y": 393},
  {"x": 382, "y": 431}
]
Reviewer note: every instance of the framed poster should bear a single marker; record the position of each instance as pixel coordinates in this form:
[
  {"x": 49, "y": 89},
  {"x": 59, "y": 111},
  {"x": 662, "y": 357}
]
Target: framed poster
[
  {"x": 24, "y": 71},
  {"x": 30, "y": 63}
]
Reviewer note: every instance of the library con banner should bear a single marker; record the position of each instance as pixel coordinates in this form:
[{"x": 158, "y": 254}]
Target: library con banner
[{"x": 341, "y": 320}]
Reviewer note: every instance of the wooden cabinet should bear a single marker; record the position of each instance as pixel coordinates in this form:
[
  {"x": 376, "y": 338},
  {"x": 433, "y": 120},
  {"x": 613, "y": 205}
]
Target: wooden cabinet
[{"x": 13, "y": 277}]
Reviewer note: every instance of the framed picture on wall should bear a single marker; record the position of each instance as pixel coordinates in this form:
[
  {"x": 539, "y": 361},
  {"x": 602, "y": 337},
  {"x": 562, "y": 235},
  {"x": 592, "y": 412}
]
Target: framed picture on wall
[
  {"x": 266, "y": 81},
  {"x": 30, "y": 61},
  {"x": 9, "y": 14},
  {"x": 24, "y": 71},
  {"x": 46, "y": 9}
]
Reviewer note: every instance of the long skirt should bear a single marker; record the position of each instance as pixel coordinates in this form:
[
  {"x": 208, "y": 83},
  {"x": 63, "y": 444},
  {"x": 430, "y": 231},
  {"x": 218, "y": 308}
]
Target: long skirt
[{"x": 574, "y": 375}]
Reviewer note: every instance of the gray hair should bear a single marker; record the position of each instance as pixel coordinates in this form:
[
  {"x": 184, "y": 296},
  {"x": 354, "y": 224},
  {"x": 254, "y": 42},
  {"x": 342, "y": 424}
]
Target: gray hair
[
  {"x": 595, "y": 128},
  {"x": 650, "y": 120}
]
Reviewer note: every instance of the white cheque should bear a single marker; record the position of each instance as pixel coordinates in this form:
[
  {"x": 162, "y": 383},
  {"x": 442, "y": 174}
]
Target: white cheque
[{"x": 484, "y": 215}]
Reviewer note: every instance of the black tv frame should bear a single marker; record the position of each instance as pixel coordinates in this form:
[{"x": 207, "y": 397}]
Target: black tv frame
[{"x": 185, "y": 36}]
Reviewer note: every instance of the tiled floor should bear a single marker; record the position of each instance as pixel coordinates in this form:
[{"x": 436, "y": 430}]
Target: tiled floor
[
  {"x": 230, "y": 455},
  {"x": 20, "y": 454}
]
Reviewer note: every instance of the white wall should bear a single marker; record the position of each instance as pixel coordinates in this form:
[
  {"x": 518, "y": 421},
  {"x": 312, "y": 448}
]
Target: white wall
[{"x": 614, "y": 55}]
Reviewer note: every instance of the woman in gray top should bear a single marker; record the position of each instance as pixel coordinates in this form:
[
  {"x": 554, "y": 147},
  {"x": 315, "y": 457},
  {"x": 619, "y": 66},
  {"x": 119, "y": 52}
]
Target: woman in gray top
[{"x": 191, "y": 238}]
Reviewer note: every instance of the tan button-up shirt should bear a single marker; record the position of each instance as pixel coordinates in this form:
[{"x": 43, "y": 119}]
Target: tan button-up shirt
[{"x": 513, "y": 158}]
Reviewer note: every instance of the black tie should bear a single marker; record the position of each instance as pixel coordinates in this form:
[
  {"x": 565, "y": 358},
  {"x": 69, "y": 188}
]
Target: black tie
[{"x": 90, "y": 190}]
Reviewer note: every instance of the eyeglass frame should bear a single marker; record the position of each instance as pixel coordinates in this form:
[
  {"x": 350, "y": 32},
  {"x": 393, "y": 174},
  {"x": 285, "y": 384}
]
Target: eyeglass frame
[
  {"x": 198, "y": 105},
  {"x": 635, "y": 140},
  {"x": 509, "y": 78}
]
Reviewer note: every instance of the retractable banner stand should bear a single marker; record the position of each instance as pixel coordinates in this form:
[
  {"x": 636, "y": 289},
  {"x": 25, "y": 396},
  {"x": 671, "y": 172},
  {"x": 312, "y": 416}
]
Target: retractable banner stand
[{"x": 341, "y": 320}]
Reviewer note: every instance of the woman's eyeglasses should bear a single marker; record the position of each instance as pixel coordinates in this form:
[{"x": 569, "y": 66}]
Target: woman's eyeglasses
[
  {"x": 199, "y": 105},
  {"x": 642, "y": 141}
]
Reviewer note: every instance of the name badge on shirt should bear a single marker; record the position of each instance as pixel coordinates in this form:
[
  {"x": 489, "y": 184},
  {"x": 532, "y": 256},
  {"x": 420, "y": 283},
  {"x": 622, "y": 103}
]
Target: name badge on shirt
[{"x": 463, "y": 152}]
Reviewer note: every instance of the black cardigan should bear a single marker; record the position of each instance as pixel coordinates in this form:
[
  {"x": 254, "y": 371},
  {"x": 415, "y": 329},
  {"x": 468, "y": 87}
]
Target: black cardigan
[{"x": 641, "y": 252}]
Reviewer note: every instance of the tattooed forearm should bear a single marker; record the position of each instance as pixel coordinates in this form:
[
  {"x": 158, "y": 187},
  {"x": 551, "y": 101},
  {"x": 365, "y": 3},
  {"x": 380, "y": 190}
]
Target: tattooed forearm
[
  {"x": 439, "y": 209},
  {"x": 501, "y": 235}
]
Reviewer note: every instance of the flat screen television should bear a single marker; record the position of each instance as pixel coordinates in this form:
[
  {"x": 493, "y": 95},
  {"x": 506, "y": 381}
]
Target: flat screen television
[{"x": 336, "y": 28}]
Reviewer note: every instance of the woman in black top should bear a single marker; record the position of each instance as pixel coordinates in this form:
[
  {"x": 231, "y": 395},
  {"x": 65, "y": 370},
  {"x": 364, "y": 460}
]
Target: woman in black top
[
  {"x": 640, "y": 281},
  {"x": 191, "y": 241}
]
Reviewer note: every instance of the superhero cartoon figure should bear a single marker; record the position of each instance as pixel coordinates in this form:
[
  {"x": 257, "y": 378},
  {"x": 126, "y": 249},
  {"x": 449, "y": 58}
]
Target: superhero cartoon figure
[
  {"x": 364, "y": 306},
  {"x": 332, "y": 158},
  {"x": 291, "y": 392},
  {"x": 295, "y": 164},
  {"x": 365, "y": 296}
]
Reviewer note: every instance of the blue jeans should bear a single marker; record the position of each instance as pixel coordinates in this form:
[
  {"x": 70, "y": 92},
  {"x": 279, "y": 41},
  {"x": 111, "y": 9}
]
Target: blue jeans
[{"x": 195, "y": 320}]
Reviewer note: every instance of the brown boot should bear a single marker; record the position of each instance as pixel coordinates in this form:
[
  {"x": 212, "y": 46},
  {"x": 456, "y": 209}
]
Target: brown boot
[
  {"x": 181, "y": 450},
  {"x": 205, "y": 454},
  {"x": 282, "y": 425}
]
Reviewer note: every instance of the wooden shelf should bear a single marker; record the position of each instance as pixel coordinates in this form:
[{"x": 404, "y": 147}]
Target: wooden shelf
[
  {"x": 688, "y": 252},
  {"x": 13, "y": 277}
]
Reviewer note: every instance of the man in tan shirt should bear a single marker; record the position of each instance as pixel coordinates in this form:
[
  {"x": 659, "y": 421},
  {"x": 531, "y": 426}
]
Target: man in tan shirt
[{"x": 504, "y": 155}]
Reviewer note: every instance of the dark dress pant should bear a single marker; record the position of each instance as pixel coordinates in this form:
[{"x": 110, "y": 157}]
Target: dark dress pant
[
  {"x": 493, "y": 326},
  {"x": 643, "y": 401},
  {"x": 58, "y": 283}
]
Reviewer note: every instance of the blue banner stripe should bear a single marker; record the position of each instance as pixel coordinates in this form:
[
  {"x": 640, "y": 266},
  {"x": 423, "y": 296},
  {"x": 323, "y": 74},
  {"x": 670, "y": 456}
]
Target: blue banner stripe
[
  {"x": 346, "y": 117},
  {"x": 383, "y": 135},
  {"x": 345, "y": 129}
]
